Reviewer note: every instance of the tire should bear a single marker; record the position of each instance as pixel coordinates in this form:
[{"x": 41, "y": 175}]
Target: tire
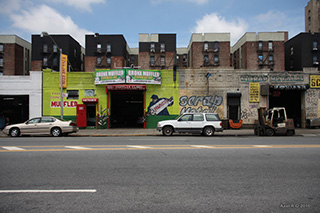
[
  {"x": 167, "y": 131},
  {"x": 269, "y": 132},
  {"x": 56, "y": 132},
  {"x": 208, "y": 131},
  {"x": 290, "y": 132},
  {"x": 14, "y": 132}
]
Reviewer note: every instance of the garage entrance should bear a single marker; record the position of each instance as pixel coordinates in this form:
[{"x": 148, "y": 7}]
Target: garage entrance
[
  {"x": 291, "y": 100},
  {"x": 127, "y": 108},
  {"x": 15, "y": 107}
]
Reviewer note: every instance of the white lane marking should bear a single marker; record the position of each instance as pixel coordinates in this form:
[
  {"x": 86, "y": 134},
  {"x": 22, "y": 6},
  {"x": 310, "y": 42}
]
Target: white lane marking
[
  {"x": 309, "y": 135},
  {"x": 140, "y": 147},
  {"x": 12, "y": 148},
  {"x": 261, "y": 146},
  {"x": 201, "y": 146},
  {"x": 76, "y": 147},
  {"x": 157, "y": 139},
  {"x": 50, "y": 191}
]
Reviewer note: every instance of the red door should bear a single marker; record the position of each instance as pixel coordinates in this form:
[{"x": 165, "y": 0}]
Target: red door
[{"x": 81, "y": 115}]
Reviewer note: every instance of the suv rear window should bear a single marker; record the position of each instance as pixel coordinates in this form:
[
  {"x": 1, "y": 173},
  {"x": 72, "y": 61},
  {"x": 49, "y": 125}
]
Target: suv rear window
[{"x": 212, "y": 117}]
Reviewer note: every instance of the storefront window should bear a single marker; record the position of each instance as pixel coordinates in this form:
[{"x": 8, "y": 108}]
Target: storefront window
[{"x": 73, "y": 94}]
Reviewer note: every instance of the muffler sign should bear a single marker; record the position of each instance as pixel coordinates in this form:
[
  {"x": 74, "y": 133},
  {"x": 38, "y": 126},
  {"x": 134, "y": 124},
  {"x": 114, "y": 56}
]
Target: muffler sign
[{"x": 315, "y": 81}]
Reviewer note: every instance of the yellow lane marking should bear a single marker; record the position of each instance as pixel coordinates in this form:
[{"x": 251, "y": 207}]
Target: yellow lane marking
[{"x": 150, "y": 147}]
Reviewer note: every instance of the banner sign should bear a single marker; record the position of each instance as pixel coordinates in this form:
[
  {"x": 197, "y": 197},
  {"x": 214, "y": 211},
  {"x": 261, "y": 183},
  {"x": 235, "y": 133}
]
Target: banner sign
[
  {"x": 254, "y": 92},
  {"x": 143, "y": 77},
  {"x": 64, "y": 71},
  {"x": 129, "y": 76},
  {"x": 110, "y": 77}
]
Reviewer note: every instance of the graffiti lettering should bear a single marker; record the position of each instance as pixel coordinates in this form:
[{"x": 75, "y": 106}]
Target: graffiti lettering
[{"x": 209, "y": 103}]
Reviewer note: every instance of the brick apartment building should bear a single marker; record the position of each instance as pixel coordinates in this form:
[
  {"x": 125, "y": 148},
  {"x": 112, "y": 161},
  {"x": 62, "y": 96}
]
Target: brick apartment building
[
  {"x": 14, "y": 55},
  {"x": 46, "y": 53},
  {"x": 209, "y": 50},
  {"x": 157, "y": 51},
  {"x": 312, "y": 12},
  {"x": 260, "y": 51},
  {"x": 107, "y": 52}
]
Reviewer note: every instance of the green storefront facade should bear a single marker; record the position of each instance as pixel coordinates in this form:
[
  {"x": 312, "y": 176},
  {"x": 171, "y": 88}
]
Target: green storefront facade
[{"x": 113, "y": 98}]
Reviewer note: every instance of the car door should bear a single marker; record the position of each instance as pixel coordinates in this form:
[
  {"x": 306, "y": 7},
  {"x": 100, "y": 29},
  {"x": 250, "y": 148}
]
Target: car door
[
  {"x": 184, "y": 123},
  {"x": 31, "y": 126},
  {"x": 197, "y": 123},
  {"x": 45, "y": 125}
]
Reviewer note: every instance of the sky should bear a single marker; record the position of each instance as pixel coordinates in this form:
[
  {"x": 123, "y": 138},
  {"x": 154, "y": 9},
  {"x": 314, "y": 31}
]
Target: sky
[{"x": 131, "y": 17}]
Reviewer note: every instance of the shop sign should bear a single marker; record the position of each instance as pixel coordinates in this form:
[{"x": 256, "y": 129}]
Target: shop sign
[
  {"x": 126, "y": 87},
  {"x": 110, "y": 77},
  {"x": 254, "y": 92},
  {"x": 143, "y": 77},
  {"x": 272, "y": 78},
  {"x": 66, "y": 104},
  {"x": 129, "y": 76},
  {"x": 315, "y": 81},
  {"x": 92, "y": 100}
]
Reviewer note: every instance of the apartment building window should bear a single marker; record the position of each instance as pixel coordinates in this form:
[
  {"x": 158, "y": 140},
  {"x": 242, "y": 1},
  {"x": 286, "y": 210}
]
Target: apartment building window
[
  {"x": 291, "y": 51},
  {"x": 315, "y": 59},
  {"x": 99, "y": 48},
  {"x": 270, "y": 58},
  {"x": 315, "y": 45},
  {"x": 270, "y": 45},
  {"x": 55, "y": 61},
  {"x": 162, "y": 47},
  {"x": 73, "y": 94},
  {"x": 184, "y": 59},
  {"x": 260, "y": 45},
  {"x": 98, "y": 60},
  {"x": 152, "y": 47},
  {"x": 45, "y": 47},
  {"x": 45, "y": 61},
  {"x": 1, "y": 62},
  {"x": 1, "y": 48},
  {"x": 108, "y": 60},
  {"x": 108, "y": 48},
  {"x": 206, "y": 59},
  {"x": 216, "y": 46},
  {"x": 162, "y": 60},
  {"x": 260, "y": 59},
  {"x": 55, "y": 48},
  {"x": 216, "y": 59},
  {"x": 152, "y": 60},
  {"x": 206, "y": 46}
]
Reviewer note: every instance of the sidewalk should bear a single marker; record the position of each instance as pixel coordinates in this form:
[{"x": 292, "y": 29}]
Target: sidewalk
[{"x": 154, "y": 132}]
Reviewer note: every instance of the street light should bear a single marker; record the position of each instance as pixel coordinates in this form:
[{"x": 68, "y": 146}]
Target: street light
[{"x": 61, "y": 83}]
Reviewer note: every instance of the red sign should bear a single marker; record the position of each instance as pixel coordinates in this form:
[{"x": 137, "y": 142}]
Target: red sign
[
  {"x": 89, "y": 100},
  {"x": 126, "y": 87}
]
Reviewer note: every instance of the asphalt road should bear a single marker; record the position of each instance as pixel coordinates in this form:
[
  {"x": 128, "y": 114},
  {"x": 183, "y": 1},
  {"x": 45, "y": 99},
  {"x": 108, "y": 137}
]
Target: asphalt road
[{"x": 160, "y": 174}]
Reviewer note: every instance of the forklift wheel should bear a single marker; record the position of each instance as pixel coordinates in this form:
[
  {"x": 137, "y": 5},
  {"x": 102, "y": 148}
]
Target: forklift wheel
[
  {"x": 269, "y": 132},
  {"x": 290, "y": 132}
]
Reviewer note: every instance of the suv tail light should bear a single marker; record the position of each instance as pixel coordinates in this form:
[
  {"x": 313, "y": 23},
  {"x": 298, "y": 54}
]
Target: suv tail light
[
  {"x": 72, "y": 124},
  {"x": 221, "y": 123}
]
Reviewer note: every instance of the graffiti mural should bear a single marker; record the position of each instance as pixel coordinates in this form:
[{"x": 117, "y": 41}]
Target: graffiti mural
[
  {"x": 311, "y": 103},
  {"x": 194, "y": 104},
  {"x": 158, "y": 106}
]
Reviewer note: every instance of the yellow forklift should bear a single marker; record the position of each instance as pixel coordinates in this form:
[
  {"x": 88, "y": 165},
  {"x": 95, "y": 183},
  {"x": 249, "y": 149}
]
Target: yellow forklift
[{"x": 274, "y": 122}]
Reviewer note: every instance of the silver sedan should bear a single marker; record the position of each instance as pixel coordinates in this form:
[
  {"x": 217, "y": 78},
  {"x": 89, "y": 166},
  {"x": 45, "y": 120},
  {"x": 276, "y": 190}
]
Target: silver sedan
[{"x": 42, "y": 125}]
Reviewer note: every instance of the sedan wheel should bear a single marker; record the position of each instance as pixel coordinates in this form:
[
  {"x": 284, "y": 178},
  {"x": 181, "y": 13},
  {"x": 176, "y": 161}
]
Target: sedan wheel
[
  {"x": 56, "y": 132},
  {"x": 208, "y": 131},
  {"x": 15, "y": 132}
]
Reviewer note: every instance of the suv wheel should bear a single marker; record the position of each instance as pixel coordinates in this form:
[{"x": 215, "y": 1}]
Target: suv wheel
[
  {"x": 167, "y": 131},
  {"x": 208, "y": 131}
]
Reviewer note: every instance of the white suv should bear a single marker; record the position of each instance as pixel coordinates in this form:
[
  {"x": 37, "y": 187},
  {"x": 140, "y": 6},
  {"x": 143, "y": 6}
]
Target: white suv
[{"x": 204, "y": 123}]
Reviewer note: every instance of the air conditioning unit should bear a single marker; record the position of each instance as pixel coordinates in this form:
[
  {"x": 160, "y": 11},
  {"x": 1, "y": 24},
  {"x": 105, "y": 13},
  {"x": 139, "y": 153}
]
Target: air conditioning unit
[
  {"x": 152, "y": 50},
  {"x": 315, "y": 63}
]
